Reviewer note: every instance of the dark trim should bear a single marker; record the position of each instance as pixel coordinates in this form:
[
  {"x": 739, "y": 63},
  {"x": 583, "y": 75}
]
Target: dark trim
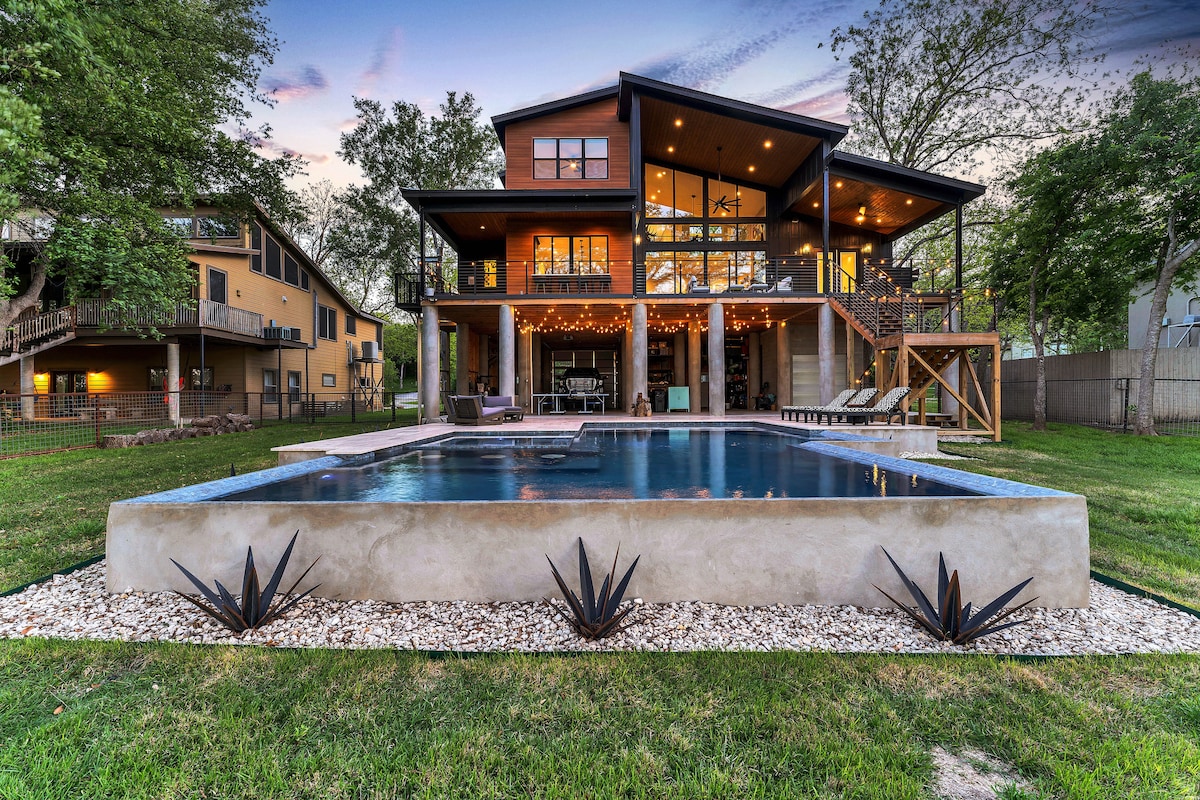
[
  {"x": 734, "y": 109},
  {"x": 904, "y": 179},
  {"x": 1138, "y": 591},
  {"x": 65, "y": 571},
  {"x": 502, "y": 121}
]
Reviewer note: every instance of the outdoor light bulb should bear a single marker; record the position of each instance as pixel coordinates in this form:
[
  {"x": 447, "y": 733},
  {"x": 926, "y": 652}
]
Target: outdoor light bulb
[
  {"x": 838, "y": 184},
  {"x": 671, "y": 149},
  {"x": 752, "y": 168},
  {"x": 678, "y": 123},
  {"x": 862, "y": 211},
  {"x": 908, "y": 202},
  {"x": 767, "y": 144}
]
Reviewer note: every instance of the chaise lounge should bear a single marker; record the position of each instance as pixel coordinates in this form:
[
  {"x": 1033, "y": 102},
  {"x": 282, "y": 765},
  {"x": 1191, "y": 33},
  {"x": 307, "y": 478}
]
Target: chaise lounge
[
  {"x": 887, "y": 407},
  {"x": 794, "y": 412},
  {"x": 469, "y": 410}
]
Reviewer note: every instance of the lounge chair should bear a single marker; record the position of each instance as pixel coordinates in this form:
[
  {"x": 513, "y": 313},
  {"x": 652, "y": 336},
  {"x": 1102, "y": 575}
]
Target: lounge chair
[
  {"x": 469, "y": 410},
  {"x": 794, "y": 412},
  {"x": 695, "y": 287},
  {"x": 860, "y": 400},
  {"x": 782, "y": 285},
  {"x": 887, "y": 407},
  {"x": 448, "y": 404},
  {"x": 508, "y": 403}
]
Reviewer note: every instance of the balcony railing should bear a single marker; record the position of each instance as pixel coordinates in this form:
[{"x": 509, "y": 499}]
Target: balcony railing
[
  {"x": 99, "y": 313},
  {"x": 34, "y": 331}
]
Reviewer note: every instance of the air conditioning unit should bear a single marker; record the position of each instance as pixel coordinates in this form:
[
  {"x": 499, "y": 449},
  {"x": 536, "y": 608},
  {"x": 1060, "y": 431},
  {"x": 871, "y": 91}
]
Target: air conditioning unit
[
  {"x": 370, "y": 351},
  {"x": 287, "y": 334}
]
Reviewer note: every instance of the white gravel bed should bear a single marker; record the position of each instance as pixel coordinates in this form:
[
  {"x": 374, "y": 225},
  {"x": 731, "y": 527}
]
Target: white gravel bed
[{"x": 76, "y": 606}]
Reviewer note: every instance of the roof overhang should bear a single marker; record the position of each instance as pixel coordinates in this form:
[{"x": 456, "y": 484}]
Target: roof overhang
[
  {"x": 884, "y": 198},
  {"x": 502, "y": 121},
  {"x": 473, "y": 216}
]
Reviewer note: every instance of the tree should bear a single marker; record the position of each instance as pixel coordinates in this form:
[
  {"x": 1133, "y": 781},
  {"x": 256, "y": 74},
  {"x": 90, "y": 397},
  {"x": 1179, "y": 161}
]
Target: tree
[
  {"x": 1049, "y": 266},
  {"x": 400, "y": 342},
  {"x": 319, "y": 211},
  {"x": 119, "y": 109},
  {"x": 1149, "y": 146},
  {"x": 379, "y": 236},
  {"x": 935, "y": 84}
]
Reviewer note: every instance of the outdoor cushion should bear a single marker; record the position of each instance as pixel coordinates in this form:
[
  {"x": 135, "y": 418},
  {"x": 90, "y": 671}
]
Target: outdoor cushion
[
  {"x": 470, "y": 411},
  {"x": 506, "y": 402},
  {"x": 887, "y": 407}
]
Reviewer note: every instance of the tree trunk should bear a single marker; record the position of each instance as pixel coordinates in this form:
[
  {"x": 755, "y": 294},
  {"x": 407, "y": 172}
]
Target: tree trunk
[
  {"x": 1037, "y": 335},
  {"x": 1171, "y": 264},
  {"x": 1037, "y": 332},
  {"x": 12, "y": 307}
]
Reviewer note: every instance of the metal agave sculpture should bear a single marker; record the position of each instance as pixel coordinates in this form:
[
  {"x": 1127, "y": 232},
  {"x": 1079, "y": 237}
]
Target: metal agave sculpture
[
  {"x": 594, "y": 617},
  {"x": 950, "y": 620},
  {"x": 257, "y": 608}
]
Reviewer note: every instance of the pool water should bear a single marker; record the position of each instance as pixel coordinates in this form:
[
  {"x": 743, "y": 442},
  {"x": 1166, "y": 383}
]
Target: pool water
[{"x": 688, "y": 463}]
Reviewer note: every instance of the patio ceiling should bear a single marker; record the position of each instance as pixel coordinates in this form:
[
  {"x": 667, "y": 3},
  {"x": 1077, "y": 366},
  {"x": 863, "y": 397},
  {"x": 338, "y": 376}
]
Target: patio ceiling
[{"x": 602, "y": 322}]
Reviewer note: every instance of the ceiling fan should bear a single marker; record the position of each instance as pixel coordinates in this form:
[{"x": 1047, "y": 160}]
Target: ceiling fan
[{"x": 724, "y": 203}]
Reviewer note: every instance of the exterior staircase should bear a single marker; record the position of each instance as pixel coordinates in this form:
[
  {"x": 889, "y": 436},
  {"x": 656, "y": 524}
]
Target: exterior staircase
[
  {"x": 914, "y": 347},
  {"x": 31, "y": 336}
]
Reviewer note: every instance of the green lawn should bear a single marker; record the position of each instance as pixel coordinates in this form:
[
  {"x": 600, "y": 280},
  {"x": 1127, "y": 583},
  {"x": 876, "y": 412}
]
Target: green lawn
[{"x": 120, "y": 720}]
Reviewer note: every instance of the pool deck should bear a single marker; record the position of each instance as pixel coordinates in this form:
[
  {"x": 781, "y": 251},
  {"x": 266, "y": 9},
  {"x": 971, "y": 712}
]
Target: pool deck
[{"x": 888, "y": 440}]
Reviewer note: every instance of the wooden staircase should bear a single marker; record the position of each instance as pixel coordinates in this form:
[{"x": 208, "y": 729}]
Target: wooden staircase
[
  {"x": 31, "y": 336},
  {"x": 915, "y": 348}
]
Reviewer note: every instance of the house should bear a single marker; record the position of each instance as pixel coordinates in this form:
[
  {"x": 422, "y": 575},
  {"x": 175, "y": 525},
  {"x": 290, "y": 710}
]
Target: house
[
  {"x": 675, "y": 242},
  {"x": 1180, "y": 324},
  {"x": 264, "y": 324}
]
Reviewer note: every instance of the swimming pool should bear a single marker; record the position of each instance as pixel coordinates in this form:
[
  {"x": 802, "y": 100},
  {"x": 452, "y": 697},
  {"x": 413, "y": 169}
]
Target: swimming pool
[
  {"x": 724, "y": 543},
  {"x": 606, "y": 463}
]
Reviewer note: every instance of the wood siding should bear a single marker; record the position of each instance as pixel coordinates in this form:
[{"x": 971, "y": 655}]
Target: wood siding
[
  {"x": 597, "y": 120},
  {"x": 520, "y": 249}
]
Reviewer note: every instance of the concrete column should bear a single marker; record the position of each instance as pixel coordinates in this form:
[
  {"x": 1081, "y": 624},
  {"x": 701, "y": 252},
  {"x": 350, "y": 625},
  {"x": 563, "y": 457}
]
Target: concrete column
[
  {"x": 173, "y": 383},
  {"x": 639, "y": 350},
  {"x": 853, "y": 359},
  {"x": 826, "y": 350},
  {"x": 462, "y": 366},
  {"x": 949, "y": 405},
  {"x": 716, "y": 360},
  {"x": 445, "y": 379},
  {"x": 624, "y": 394},
  {"x": 508, "y": 352},
  {"x": 482, "y": 367},
  {"x": 783, "y": 365},
  {"x": 428, "y": 389},
  {"x": 27, "y": 388},
  {"x": 535, "y": 343},
  {"x": 679, "y": 367},
  {"x": 753, "y": 368},
  {"x": 693, "y": 371},
  {"x": 525, "y": 367}
]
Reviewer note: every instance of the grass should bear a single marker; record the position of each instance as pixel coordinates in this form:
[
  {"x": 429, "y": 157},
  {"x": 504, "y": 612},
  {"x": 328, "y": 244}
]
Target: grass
[
  {"x": 184, "y": 721},
  {"x": 84, "y": 719},
  {"x": 1143, "y": 496},
  {"x": 53, "y": 508}
]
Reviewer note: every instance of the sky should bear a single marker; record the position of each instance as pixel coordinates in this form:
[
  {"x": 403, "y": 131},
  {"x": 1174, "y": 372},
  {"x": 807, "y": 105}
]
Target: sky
[{"x": 512, "y": 55}]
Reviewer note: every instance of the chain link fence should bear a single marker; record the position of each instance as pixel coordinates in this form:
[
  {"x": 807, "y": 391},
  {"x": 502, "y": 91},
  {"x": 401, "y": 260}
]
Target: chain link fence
[{"x": 43, "y": 423}]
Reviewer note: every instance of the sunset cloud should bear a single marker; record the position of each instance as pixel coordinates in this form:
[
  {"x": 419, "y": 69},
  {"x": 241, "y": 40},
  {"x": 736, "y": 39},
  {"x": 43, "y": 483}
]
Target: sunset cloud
[{"x": 306, "y": 82}]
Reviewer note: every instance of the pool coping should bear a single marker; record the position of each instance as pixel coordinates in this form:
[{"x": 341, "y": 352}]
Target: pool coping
[{"x": 832, "y": 443}]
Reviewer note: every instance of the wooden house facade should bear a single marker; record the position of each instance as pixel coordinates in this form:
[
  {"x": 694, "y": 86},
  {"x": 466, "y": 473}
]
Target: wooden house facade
[{"x": 686, "y": 245}]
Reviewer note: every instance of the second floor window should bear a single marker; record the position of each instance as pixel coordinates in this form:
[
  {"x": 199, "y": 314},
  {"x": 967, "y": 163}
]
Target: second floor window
[
  {"x": 327, "y": 322},
  {"x": 570, "y": 255},
  {"x": 570, "y": 159}
]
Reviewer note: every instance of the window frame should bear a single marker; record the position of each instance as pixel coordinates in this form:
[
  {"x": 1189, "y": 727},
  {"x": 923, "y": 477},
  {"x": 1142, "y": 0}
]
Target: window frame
[
  {"x": 572, "y": 265},
  {"x": 586, "y": 162},
  {"x": 351, "y": 325},
  {"x": 327, "y": 323},
  {"x": 294, "y": 381},
  {"x": 270, "y": 392}
]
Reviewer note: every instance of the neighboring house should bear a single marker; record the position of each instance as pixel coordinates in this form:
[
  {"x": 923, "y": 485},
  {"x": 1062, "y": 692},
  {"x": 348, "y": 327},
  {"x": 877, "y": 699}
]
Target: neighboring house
[
  {"x": 264, "y": 321},
  {"x": 672, "y": 241},
  {"x": 1180, "y": 325}
]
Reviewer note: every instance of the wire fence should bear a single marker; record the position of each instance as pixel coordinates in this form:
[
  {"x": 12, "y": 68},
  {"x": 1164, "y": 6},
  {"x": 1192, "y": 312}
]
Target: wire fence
[
  {"x": 43, "y": 423},
  {"x": 1109, "y": 403}
]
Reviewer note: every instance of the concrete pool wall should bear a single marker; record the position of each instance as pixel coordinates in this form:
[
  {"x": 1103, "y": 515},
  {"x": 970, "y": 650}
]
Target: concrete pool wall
[{"x": 731, "y": 551}]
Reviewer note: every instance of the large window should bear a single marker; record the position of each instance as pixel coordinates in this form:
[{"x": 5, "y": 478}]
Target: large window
[
  {"x": 218, "y": 228},
  {"x": 351, "y": 325},
  {"x": 293, "y": 387},
  {"x": 570, "y": 255},
  {"x": 327, "y": 322},
  {"x": 673, "y": 193},
  {"x": 217, "y": 286},
  {"x": 570, "y": 159}
]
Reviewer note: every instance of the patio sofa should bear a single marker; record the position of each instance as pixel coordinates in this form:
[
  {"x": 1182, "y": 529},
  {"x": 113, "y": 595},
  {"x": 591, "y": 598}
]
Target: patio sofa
[
  {"x": 469, "y": 410},
  {"x": 512, "y": 411}
]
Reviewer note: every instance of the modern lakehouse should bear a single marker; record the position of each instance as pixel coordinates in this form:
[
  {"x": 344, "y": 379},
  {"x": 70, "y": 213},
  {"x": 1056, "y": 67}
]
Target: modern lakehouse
[{"x": 702, "y": 252}]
